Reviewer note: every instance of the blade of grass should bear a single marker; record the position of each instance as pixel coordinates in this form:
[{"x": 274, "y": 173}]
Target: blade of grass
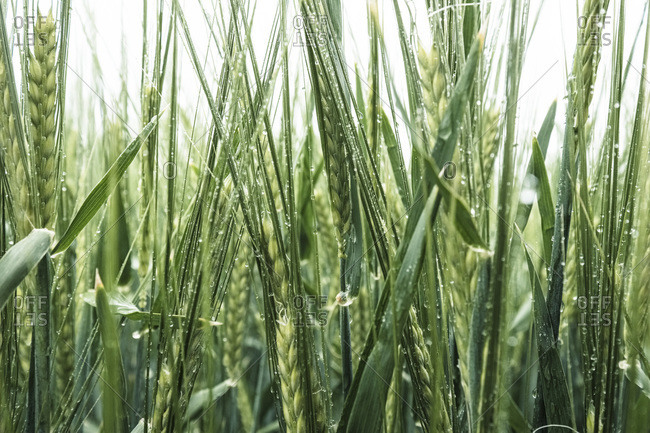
[
  {"x": 553, "y": 380},
  {"x": 543, "y": 137},
  {"x": 544, "y": 200},
  {"x": 115, "y": 418},
  {"x": 103, "y": 189}
]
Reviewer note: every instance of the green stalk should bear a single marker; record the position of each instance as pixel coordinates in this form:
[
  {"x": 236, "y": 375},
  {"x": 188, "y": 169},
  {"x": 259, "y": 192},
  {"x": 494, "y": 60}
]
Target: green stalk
[{"x": 490, "y": 390}]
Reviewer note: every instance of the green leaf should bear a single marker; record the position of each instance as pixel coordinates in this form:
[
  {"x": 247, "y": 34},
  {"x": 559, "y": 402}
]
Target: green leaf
[
  {"x": 552, "y": 379},
  {"x": 544, "y": 200},
  {"x": 139, "y": 428},
  {"x": 516, "y": 419},
  {"x": 546, "y": 129},
  {"x": 204, "y": 399},
  {"x": 122, "y": 306},
  {"x": 449, "y": 128},
  {"x": 459, "y": 210},
  {"x": 636, "y": 375},
  {"x": 114, "y": 384},
  {"x": 524, "y": 208},
  {"x": 396, "y": 160},
  {"x": 38, "y": 393},
  {"x": 21, "y": 259},
  {"x": 103, "y": 189},
  {"x": 376, "y": 377}
]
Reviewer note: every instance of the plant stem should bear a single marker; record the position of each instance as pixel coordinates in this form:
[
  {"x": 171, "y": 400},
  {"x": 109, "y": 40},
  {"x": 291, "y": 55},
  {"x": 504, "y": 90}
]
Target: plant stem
[{"x": 346, "y": 348}]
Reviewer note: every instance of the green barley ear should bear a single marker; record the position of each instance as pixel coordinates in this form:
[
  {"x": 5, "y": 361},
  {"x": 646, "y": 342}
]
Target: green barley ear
[
  {"x": 422, "y": 369},
  {"x": 236, "y": 306},
  {"x": 293, "y": 400},
  {"x": 433, "y": 87},
  {"x": 42, "y": 95},
  {"x": 361, "y": 321},
  {"x": 147, "y": 162},
  {"x": 63, "y": 318},
  {"x": 336, "y": 164},
  {"x": 489, "y": 141},
  {"x": 163, "y": 403},
  {"x": 16, "y": 173},
  {"x": 235, "y": 314},
  {"x": 638, "y": 298}
]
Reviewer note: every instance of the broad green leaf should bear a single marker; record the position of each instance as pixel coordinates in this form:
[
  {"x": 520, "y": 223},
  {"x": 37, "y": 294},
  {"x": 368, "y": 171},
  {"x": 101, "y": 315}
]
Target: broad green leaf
[
  {"x": 103, "y": 189},
  {"x": 21, "y": 259}
]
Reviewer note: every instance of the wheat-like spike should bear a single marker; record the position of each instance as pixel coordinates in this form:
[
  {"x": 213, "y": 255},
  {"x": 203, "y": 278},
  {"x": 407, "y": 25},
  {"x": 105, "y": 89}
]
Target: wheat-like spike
[
  {"x": 589, "y": 47},
  {"x": 489, "y": 141},
  {"x": 638, "y": 298},
  {"x": 570, "y": 282},
  {"x": 334, "y": 150},
  {"x": 587, "y": 64},
  {"x": 463, "y": 276},
  {"x": 293, "y": 401},
  {"x": 235, "y": 325},
  {"x": 64, "y": 327},
  {"x": 146, "y": 185},
  {"x": 327, "y": 236},
  {"x": 433, "y": 87},
  {"x": 163, "y": 403},
  {"x": 42, "y": 96},
  {"x": 16, "y": 173},
  {"x": 362, "y": 317},
  {"x": 235, "y": 315},
  {"x": 422, "y": 359},
  {"x": 337, "y": 168}
]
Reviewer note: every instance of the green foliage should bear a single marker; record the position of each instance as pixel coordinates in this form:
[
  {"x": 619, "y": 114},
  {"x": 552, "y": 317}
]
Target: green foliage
[{"x": 320, "y": 240}]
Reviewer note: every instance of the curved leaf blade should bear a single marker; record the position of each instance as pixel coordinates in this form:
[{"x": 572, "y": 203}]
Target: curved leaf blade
[{"x": 103, "y": 189}]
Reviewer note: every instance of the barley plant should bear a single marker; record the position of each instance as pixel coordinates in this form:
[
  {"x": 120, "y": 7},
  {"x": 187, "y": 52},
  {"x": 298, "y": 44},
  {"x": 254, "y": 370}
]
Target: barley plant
[{"x": 324, "y": 216}]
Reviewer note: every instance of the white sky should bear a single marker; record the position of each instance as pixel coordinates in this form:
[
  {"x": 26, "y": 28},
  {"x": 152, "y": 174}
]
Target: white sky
[{"x": 111, "y": 31}]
